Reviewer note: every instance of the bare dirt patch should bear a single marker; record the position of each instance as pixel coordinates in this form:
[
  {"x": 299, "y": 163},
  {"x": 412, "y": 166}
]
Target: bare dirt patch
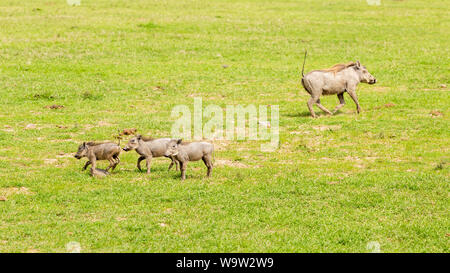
[
  {"x": 50, "y": 161},
  {"x": 62, "y": 154},
  {"x": 387, "y": 105},
  {"x": 62, "y": 140},
  {"x": 54, "y": 106},
  {"x": 104, "y": 123},
  {"x": 5, "y": 193},
  {"x": 327, "y": 127},
  {"x": 8, "y": 129},
  {"x": 30, "y": 126},
  {"x": 224, "y": 162},
  {"x": 436, "y": 113},
  {"x": 333, "y": 182},
  {"x": 156, "y": 88},
  {"x": 221, "y": 145}
]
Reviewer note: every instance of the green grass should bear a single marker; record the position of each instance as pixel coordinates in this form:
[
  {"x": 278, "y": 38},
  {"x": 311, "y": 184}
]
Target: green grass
[{"x": 335, "y": 184}]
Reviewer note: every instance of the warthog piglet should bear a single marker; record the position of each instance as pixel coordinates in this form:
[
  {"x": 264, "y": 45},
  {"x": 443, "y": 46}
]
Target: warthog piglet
[
  {"x": 193, "y": 151},
  {"x": 148, "y": 148},
  {"x": 99, "y": 151}
]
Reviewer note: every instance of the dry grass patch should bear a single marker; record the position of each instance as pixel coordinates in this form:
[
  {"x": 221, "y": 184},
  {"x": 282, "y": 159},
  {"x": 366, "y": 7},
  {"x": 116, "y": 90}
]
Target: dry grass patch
[
  {"x": 5, "y": 193},
  {"x": 327, "y": 127},
  {"x": 225, "y": 162}
]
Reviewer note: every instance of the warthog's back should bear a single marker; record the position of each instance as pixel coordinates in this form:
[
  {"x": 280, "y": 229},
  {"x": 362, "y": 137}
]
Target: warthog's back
[
  {"x": 328, "y": 82},
  {"x": 197, "y": 150},
  {"x": 158, "y": 146},
  {"x": 105, "y": 150}
]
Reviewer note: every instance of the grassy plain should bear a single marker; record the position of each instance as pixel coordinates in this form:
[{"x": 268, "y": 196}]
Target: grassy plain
[{"x": 335, "y": 184}]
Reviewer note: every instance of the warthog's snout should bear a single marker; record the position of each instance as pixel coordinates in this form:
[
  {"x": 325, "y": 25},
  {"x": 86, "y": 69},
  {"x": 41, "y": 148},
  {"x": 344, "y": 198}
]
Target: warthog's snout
[
  {"x": 125, "y": 149},
  {"x": 77, "y": 156},
  {"x": 373, "y": 81}
]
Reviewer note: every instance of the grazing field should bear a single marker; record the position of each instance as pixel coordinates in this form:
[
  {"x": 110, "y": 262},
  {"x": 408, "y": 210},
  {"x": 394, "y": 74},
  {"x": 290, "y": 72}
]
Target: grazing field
[{"x": 336, "y": 183}]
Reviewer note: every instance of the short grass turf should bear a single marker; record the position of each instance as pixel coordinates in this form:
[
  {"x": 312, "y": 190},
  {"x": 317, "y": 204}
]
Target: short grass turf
[{"x": 335, "y": 184}]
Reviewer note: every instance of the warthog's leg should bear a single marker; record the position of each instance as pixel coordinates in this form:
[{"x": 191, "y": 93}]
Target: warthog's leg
[
  {"x": 323, "y": 107},
  {"x": 171, "y": 163},
  {"x": 352, "y": 94},
  {"x": 183, "y": 166},
  {"x": 208, "y": 162},
  {"x": 148, "y": 161},
  {"x": 174, "y": 162},
  {"x": 86, "y": 165},
  {"x": 310, "y": 104},
  {"x": 117, "y": 161},
  {"x": 177, "y": 167},
  {"x": 93, "y": 160},
  {"x": 111, "y": 163},
  {"x": 139, "y": 162},
  {"x": 342, "y": 102}
]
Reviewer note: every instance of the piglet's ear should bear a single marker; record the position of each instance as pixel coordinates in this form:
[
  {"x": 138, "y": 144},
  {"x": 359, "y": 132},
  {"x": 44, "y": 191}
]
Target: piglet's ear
[
  {"x": 179, "y": 141},
  {"x": 358, "y": 64},
  {"x": 84, "y": 144}
]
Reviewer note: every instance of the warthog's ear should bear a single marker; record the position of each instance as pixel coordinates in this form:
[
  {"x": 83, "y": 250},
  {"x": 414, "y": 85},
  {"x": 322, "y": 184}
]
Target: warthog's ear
[
  {"x": 358, "y": 64},
  {"x": 179, "y": 141},
  {"x": 84, "y": 144}
]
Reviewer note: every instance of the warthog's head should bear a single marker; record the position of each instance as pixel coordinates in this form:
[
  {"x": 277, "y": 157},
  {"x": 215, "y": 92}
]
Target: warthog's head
[
  {"x": 82, "y": 151},
  {"x": 133, "y": 143},
  {"x": 172, "y": 147},
  {"x": 363, "y": 74}
]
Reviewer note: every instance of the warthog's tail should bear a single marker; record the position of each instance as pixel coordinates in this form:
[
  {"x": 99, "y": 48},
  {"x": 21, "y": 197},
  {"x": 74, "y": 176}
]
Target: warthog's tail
[
  {"x": 119, "y": 137},
  {"x": 304, "y": 60},
  {"x": 214, "y": 156}
]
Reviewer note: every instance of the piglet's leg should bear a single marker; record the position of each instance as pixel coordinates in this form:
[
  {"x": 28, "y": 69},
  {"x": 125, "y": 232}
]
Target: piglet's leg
[
  {"x": 111, "y": 164},
  {"x": 148, "y": 161},
  {"x": 117, "y": 161},
  {"x": 139, "y": 162},
  {"x": 86, "y": 165},
  {"x": 177, "y": 167},
  {"x": 171, "y": 163},
  {"x": 183, "y": 166},
  {"x": 174, "y": 162},
  {"x": 93, "y": 161},
  {"x": 208, "y": 162}
]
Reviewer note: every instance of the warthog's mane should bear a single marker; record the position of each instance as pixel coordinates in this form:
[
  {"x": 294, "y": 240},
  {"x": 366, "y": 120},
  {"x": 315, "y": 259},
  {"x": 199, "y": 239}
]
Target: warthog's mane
[
  {"x": 338, "y": 67},
  {"x": 185, "y": 143},
  {"x": 147, "y": 138},
  {"x": 95, "y": 143}
]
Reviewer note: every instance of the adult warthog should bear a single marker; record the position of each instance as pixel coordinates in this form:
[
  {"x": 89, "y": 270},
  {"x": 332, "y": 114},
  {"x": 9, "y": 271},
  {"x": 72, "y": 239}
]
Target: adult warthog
[{"x": 336, "y": 80}]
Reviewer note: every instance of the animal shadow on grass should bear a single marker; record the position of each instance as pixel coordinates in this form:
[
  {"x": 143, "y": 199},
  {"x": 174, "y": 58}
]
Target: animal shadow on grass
[
  {"x": 153, "y": 168},
  {"x": 298, "y": 114},
  {"x": 99, "y": 172},
  {"x": 308, "y": 114}
]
